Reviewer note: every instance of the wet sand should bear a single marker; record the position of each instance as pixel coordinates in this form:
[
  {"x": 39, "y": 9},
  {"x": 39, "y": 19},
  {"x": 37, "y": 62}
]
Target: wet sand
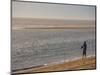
[{"x": 78, "y": 64}]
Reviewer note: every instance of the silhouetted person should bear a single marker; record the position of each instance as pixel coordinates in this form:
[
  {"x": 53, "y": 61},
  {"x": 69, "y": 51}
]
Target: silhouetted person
[{"x": 84, "y": 47}]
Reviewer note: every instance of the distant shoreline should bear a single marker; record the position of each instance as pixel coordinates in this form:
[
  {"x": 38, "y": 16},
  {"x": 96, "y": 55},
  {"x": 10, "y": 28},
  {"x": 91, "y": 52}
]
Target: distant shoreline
[
  {"x": 59, "y": 28},
  {"x": 24, "y": 28}
]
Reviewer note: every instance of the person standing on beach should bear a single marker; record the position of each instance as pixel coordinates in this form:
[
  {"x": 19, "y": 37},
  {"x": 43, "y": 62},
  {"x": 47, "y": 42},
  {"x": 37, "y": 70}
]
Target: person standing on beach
[{"x": 84, "y": 47}]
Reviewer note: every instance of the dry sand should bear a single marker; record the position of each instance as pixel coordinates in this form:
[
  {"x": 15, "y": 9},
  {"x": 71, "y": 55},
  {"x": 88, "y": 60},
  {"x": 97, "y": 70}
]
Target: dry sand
[{"x": 79, "y": 64}]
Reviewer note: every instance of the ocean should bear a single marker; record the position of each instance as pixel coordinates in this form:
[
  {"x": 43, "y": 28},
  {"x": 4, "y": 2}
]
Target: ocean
[{"x": 34, "y": 47}]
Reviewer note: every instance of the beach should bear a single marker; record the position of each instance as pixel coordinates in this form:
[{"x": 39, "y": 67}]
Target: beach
[{"x": 78, "y": 64}]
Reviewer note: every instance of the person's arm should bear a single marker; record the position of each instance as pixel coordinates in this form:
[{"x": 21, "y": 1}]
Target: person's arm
[{"x": 81, "y": 47}]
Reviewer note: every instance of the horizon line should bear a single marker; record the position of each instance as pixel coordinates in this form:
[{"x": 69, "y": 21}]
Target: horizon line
[{"x": 50, "y": 18}]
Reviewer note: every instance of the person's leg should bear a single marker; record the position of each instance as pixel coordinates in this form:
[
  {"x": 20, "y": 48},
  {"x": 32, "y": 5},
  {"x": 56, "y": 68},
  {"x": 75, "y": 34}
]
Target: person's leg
[
  {"x": 85, "y": 53},
  {"x": 83, "y": 57}
]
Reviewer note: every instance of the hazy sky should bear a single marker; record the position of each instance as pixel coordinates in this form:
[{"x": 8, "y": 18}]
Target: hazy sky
[{"x": 55, "y": 11}]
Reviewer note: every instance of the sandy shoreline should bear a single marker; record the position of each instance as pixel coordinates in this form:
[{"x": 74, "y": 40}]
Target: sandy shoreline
[{"x": 88, "y": 63}]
